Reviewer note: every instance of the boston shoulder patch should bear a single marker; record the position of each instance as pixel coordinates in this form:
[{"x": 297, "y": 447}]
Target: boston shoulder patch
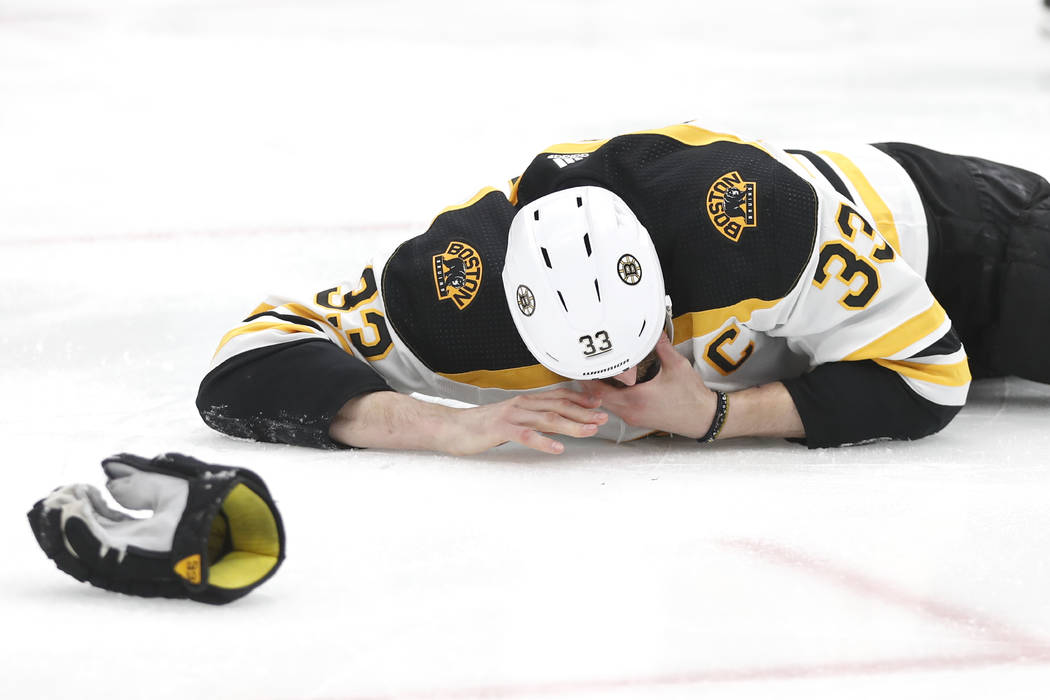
[
  {"x": 457, "y": 273},
  {"x": 731, "y": 205}
]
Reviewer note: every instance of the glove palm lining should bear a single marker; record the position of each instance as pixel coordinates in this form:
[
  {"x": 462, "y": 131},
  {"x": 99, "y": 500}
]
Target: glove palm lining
[{"x": 251, "y": 541}]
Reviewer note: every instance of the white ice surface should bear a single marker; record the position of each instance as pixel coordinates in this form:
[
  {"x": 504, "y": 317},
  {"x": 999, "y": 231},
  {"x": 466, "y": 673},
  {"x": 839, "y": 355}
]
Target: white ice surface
[{"x": 164, "y": 164}]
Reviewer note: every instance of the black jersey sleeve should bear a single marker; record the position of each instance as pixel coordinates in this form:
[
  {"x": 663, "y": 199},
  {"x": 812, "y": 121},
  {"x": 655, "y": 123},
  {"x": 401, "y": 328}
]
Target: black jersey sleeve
[
  {"x": 880, "y": 405},
  {"x": 289, "y": 393}
]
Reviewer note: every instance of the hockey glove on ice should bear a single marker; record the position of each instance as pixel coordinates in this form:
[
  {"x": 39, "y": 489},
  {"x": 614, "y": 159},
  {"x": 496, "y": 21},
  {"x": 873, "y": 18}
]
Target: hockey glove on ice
[{"x": 214, "y": 535}]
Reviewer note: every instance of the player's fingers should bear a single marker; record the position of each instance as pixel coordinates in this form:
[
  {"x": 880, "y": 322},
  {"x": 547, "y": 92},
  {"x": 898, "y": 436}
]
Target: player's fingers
[
  {"x": 577, "y": 397},
  {"x": 583, "y": 399},
  {"x": 569, "y": 409},
  {"x": 537, "y": 441},
  {"x": 554, "y": 422},
  {"x": 601, "y": 391},
  {"x": 626, "y": 400}
]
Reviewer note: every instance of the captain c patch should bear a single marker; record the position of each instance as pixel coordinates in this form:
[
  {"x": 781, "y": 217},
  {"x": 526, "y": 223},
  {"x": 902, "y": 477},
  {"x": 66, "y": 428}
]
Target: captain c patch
[
  {"x": 457, "y": 274},
  {"x": 731, "y": 205}
]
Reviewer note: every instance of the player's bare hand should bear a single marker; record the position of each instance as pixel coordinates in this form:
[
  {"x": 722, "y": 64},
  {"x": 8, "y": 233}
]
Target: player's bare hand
[
  {"x": 386, "y": 419},
  {"x": 528, "y": 419},
  {"x": 675, "y": 400}
]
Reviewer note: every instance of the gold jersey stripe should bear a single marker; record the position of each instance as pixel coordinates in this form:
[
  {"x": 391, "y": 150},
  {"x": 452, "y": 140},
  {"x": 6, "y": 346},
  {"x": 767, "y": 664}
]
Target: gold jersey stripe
[
  {"x": 469, "y": 203},
  {"x": 517, "y": 378},
  {"x": 299, "y": 310},
  {"x": 257, "y": 326},
  {"x": 955, "y": 374},
  {"x": 876, "y": 205},
  {"x": 700, "y": 323},
  {"x": 908, "y": 333},
  {"x": 804, "y": 164},
  {"x": 309, "y": 313}
]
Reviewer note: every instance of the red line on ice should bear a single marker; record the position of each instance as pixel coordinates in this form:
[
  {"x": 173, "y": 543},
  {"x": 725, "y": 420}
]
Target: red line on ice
[
  {"x": 727, "y": 675},
  {"x": 981, "y": 623},
  {"x": 1021, "y": 647}
]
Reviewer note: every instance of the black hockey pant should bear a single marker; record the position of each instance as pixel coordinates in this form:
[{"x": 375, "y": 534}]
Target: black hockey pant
[{"x": 989, "y": 262}]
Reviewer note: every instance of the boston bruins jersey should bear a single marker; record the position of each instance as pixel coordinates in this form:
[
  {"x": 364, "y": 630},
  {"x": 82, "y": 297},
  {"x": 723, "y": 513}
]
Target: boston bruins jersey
[{"x": 801, "y": 266}]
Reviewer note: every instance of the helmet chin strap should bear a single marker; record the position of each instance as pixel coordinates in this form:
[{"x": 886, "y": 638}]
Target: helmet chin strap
[{"x": 668, "y": 321}]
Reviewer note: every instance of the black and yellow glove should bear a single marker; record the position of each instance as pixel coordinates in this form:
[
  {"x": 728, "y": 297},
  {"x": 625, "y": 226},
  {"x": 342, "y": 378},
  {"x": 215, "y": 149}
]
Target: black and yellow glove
[{"x": 214, "y": 535}]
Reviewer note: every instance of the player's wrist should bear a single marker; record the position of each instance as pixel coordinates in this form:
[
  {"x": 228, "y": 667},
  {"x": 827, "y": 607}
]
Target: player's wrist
[
  {"x": 440, "y": 428},
  {"x": 718, "y": 419},
  {"x": 702, "y": 411},
  {"x": 763, "y": 411}
]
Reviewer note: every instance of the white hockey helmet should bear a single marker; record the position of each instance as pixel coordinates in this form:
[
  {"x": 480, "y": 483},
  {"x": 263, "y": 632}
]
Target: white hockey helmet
[{"x": 584, "y": 283}]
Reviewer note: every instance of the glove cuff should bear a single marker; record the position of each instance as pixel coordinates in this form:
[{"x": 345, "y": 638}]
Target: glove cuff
[{"x": 230, "y": 538}]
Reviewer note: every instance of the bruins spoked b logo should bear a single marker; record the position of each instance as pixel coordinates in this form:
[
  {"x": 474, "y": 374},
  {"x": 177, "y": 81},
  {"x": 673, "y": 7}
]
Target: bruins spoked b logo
[
  {"x": 630, "y": 269},
  {"x": 731, "y": 205},
  {"x": 526, "y": 300},
  {"x": 457, "y": 274}
]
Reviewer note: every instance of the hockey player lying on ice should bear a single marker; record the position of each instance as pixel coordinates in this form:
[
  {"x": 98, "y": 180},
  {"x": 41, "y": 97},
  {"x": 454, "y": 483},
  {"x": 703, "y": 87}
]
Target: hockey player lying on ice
[{"x": 825, "y": 293}]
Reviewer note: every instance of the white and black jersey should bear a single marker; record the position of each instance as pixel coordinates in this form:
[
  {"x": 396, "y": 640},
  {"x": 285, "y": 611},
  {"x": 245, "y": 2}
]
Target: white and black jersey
[{"x": 805, "y": 267}]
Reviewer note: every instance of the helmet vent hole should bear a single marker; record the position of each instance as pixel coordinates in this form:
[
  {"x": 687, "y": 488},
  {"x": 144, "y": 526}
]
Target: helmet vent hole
[
  {"x": 536, "y": 215},
  {"x": 587, "y": 243},
  {"x": 640, "y": 330},
  {"x": 563, "y": 302},
  {"x": 546, "y": 258},
  {"x": 597, "y": 290},
  {"x": 579, "y": 201}
]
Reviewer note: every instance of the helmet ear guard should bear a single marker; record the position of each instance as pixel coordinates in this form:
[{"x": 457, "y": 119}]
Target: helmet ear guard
[{"x": 584, "y": 284}]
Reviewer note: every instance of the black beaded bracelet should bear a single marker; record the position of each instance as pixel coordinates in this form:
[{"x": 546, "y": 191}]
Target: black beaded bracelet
[{"x": 721, "y": 413}]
